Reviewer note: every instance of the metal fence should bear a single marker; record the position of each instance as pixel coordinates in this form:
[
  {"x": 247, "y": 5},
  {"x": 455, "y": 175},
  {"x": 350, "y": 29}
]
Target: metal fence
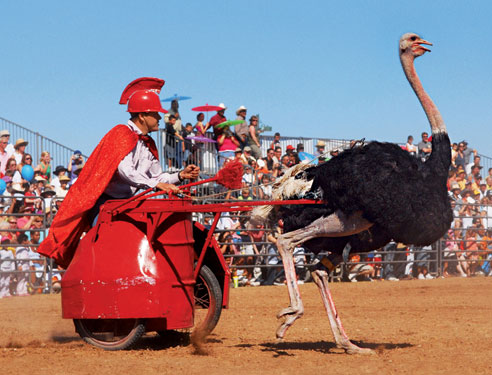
[{"x": 37, "y": 143}]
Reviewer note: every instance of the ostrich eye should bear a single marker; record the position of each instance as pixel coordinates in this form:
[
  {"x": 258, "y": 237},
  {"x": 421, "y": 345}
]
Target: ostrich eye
[{"x": 413, "y": 38}]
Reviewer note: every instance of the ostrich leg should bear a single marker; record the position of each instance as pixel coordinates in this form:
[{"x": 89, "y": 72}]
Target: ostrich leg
[
  {"x": 341, "y": 339},
  {"x": 335, "y": 225}
]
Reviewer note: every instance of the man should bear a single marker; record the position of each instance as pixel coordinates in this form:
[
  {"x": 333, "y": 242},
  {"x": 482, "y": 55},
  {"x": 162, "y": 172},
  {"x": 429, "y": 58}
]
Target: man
[
  {"x": 467, "y": 155},
  {"x": 241, "y": 129},
  {"x": 124, "y": 161},
  {"x": 76, "y": 161},
  {"x": 320, "y": 148},
  {"x": 278, "y": 154},
  {"x": 269, "y": 160},
  {"x": 5, "y": 136},
  {"x": 217, "y": 119},
  {"x": 4, "y": 154},
  {"x": 425, "y": 147}
]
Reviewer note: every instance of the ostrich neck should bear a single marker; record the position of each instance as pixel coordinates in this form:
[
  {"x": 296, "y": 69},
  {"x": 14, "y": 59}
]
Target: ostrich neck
[{"x": 433, "y": 114}]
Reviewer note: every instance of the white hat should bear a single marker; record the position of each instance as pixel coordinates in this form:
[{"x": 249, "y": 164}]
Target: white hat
[
  {"x": 4, "y": 133},
  {"x": 222, "y": 105},
  {"x": 242, "y": 108}
]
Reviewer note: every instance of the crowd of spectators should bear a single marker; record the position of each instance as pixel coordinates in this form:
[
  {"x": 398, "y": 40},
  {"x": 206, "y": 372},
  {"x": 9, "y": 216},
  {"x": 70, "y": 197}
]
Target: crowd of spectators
[{"x": 28, "y": 206}]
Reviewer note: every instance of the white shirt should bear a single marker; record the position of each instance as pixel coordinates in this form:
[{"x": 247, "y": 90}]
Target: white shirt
[{"x": 138, "y": 169}]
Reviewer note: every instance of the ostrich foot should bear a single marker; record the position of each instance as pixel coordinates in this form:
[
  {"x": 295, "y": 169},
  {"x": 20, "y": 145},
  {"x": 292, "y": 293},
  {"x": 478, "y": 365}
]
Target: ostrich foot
[
  {"x": 351, "y": 348},
  {"x": 290, "y": 314}
]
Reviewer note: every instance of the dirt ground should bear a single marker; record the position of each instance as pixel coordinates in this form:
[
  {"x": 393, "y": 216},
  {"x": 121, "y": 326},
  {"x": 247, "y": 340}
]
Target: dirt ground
[{"x": 441, "y": 326}]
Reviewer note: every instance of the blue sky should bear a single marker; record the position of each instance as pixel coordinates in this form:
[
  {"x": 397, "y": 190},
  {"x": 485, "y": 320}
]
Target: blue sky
[{"x": 310, "y": 68}]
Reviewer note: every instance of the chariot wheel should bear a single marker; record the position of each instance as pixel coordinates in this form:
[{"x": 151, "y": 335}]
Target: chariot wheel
[
  {"x": 208, "y": 304},
  {"x": 110, "y": 334}
]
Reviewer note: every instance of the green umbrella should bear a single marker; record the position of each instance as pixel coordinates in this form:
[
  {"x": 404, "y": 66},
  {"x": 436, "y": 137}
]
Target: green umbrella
[{"x": 229, "y": 123}]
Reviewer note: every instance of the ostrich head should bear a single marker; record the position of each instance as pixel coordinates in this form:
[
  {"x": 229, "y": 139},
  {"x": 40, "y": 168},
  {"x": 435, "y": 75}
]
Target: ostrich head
[{"x": 411, "y": 44}]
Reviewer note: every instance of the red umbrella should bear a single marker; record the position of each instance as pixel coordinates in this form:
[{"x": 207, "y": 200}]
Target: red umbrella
[{"x": 207, "y": 108}]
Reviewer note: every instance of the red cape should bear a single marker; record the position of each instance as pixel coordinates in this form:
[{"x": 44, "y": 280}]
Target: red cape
[{"x": 71, "y": 220}]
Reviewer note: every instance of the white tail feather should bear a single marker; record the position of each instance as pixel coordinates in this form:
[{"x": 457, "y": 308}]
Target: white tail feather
[{"x": 285, "y": 187}]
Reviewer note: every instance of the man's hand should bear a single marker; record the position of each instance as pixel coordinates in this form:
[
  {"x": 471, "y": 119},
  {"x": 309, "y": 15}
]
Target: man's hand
[
  {"x": 168, "y": 188},
  {"x": 190, "y": 172}
]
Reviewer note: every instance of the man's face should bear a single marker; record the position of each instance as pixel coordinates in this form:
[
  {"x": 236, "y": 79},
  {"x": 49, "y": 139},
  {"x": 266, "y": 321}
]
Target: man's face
[
  {"x": 4, "y": 141},
  {"x": 151, "y": 121},
  {"x": 278, "y": 154},
  {"x": 270, "y": 154},
  {"x": 221, "y": 112},
  {"x": 425, "y": 137}
]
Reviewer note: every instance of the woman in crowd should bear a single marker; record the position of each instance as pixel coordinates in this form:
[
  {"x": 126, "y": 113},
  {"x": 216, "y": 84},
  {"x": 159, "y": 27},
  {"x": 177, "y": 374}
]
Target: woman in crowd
[
  {"x": 26, "y": 160},
  {"x": 11, "y": 169},
  {"x": 227, "y": 145},
  {"x": 44, "y": 165},
  {"x": 410, "y": 147},
  {"x": 254, "y": 137},
  {"x": 201, "y": 128}
]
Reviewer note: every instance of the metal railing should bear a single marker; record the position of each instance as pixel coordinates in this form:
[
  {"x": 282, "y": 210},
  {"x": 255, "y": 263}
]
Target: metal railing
[{"x": 37, "y": 143}]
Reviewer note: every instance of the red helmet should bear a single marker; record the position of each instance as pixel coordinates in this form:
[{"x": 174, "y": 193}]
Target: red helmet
[
  {"x": 142, "y": 95},
  {"x": 145, "y": 101}
]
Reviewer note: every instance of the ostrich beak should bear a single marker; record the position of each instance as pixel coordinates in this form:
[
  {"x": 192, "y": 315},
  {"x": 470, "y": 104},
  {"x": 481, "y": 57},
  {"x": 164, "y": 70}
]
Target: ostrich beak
[{"x": 419, "y": 43}]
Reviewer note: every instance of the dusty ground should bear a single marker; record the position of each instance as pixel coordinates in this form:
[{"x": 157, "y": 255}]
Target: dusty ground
[{"x": 417, "y": 327}]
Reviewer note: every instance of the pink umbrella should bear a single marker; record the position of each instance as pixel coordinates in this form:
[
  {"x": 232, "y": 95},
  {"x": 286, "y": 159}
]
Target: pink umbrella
[
  {"x": 199, "y": 138},
  {"x": 207, "y": 108}
]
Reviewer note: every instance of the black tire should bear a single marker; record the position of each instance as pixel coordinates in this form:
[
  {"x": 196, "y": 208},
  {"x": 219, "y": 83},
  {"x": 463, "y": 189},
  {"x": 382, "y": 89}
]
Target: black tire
[
  {"x": 110, "y": 334},
  {"x": 208, "y": 296},
  {"x": 208, "y": 305}
]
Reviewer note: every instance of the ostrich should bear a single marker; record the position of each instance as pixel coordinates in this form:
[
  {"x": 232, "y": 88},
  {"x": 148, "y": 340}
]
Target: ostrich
[{"x": 371, "y": 194}]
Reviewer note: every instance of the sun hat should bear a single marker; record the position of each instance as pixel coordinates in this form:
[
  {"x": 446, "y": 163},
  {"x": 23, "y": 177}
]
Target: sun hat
[
  {"x": 238, "y": 149},
  {"x": 4, "y": 133},
  {"x": 64, "y": 178},
  {"x": 321, "y": 143},
  {"x": 241, "y": 108},
  {"x": 58, "y": 169},
  {"x": 223, "y": 106},
  {"x": 20, "y": 142},
  {"x": 247, "y": 149}
]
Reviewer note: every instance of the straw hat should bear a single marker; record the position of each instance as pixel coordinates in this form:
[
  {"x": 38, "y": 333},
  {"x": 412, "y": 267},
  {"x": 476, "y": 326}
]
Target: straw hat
[
  {"x": 64, "y": 178},
  {"x": 20, "y": 142},
  {"x": 321, "y": 143},
  {"x": 242, "y": 108}
]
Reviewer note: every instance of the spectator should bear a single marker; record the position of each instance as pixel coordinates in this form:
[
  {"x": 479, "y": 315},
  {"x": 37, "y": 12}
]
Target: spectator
[
  {"x": 273, "y": 259},
  {"x": 358, "y": 271},
  {"x": 265, "y": 187},
  {"x": 227, "y": 145},
  {"x": 450, "y": 252},
  {"x": 454, "y": 154},
  {"x": 248, "y": 177},
  {"x": 425, "y": 147},
  {"x": 5, "y": 136},
  {"x": 44, "y": 165},
  {"x": 174, "y": 111},
  {"x": 270, "y": 159},
  {"x": 62, "y": 191},
  {"x": 461, "y": 178},
  {"x": 7, "y": 263},
  {"x": 320, "y": 148},
  {"x": 253, "y": 137},
  {"x": 60, "y": 170},
  {"x": 171, "y": 144},
  {"x": 199, "y": 126},
  {"x": 277, "y": 157},
  {"x": 241, "y": 129},
  {"x": 294, "y": 159},
  {"x": 237, "y": 154},
  {"x": 276, "y": 143},
  {"x": 246, "y": 156},
  {"x": 459, "y": 159},
  {"x": 36, "y": 264},
  {"x": 422, "y": 258},
  {"x": 22, "y": 265},
  {"x": 12, "y": 168},
  {"x": 217, "y": 119},
  {"x": 227, "y": 246},
  {"x": 26, "y": 160},
  {"x": 300, "y": 147},
  {"x": 455, "y": 192},
  {"x": 467, "y": 155},
  {"x": 4, "y": 154},
  {"x": 191, "y": 150},
  {"x": 20, "y": 148},
  {"x": 410, "y": 147},
  {"x": 76, "y": 161}
]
